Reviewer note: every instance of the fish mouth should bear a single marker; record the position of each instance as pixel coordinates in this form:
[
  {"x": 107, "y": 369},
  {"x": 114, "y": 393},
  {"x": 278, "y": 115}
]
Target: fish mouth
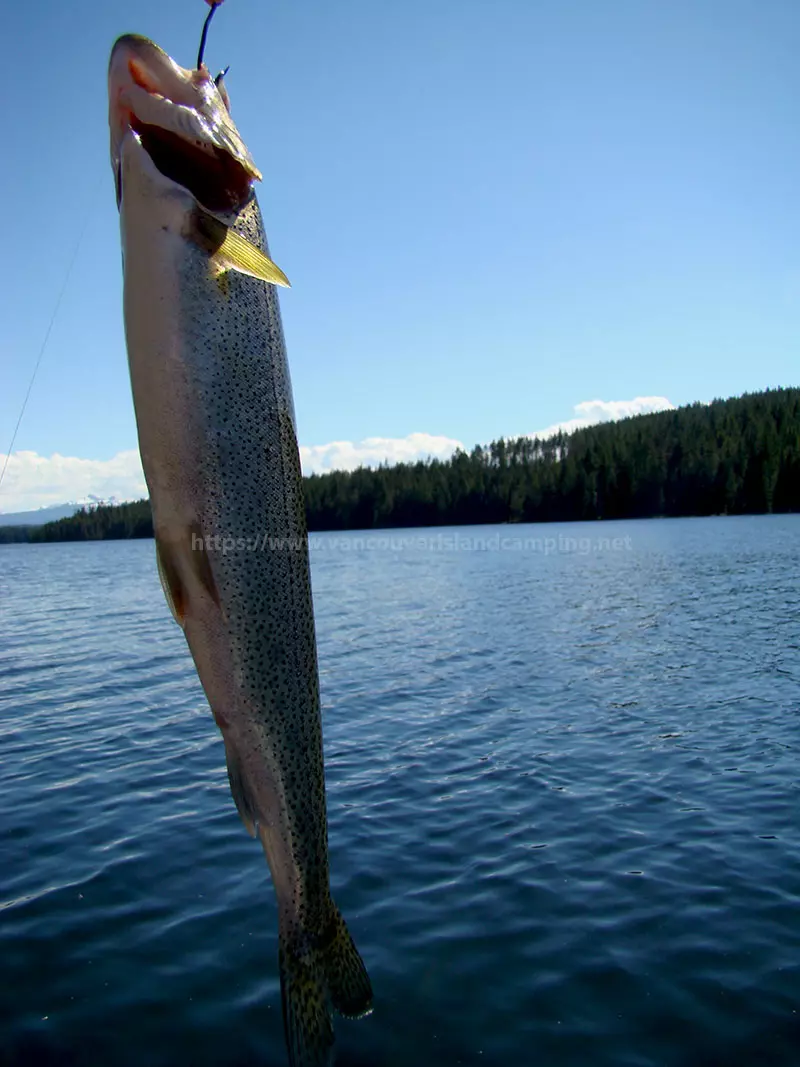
[
  {"x": 181, "y": 119},
  {"x": 218, "y": 182}
]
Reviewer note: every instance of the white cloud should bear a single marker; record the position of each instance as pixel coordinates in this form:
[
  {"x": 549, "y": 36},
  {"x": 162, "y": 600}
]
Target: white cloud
[
  {"x": 346, "y": 455},
  {"x": 34, "y": 481},
  {"x": 590, "y": 412}
]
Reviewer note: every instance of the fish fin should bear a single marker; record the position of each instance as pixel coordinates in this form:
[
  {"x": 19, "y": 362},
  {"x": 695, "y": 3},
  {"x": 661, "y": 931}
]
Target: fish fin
[
  {"x": 306, "y": 1014},
  {"x": 201, "y": 563},
  {"x": 238, "y": 254},
  {"x": 168, "y": 554},
  {"x": 230, "y": 251},
  {"x": 345, "y": 973},
  {"x": 171, "y": 583},
  {"x": 244, "y": 802}
]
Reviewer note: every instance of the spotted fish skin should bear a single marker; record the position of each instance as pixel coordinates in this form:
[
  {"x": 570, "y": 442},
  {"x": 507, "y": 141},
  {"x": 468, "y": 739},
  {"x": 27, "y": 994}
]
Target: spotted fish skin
[{"x": 218, "y": 442}]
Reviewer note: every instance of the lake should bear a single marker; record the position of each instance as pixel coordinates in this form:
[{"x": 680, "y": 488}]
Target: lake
[{"x": 563, "y": 794}]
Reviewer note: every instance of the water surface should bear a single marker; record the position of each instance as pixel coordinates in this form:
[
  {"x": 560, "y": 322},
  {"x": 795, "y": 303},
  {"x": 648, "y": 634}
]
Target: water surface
[{"x": 563, "y": 798}]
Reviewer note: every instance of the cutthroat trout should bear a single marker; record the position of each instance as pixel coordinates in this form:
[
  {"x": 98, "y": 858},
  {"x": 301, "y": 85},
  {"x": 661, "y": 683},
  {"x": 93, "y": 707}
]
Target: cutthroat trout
[{"x": 218, "y": 443}]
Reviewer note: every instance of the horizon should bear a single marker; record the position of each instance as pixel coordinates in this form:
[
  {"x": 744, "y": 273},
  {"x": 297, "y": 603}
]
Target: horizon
[
  {"x": 629, "y": 188},
  {"x": 614, "y": 414},
  {"x": 124, "y": 471}
]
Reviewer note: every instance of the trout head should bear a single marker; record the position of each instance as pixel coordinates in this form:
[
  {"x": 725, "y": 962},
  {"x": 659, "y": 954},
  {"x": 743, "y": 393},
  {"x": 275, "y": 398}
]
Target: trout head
[{"x": 179, "y": 121}]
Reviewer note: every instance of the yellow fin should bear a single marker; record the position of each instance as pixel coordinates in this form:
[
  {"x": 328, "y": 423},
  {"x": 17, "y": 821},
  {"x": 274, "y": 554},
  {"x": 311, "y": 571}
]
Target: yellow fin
[
  {"x": 231, "y": 251},
  {"x": 236, "y": 253}
]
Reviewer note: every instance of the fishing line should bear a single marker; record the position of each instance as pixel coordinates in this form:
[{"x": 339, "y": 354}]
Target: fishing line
[
  {"x": 214, "y": 5},
  {"x": 49, "y": 330}
]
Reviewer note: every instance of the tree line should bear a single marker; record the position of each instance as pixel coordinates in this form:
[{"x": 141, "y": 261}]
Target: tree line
[{"x": 731, "y": 457}]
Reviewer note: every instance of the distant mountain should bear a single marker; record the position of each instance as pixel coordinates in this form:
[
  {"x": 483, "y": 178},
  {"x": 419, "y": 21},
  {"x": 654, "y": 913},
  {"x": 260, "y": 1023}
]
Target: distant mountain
[
  {"x": 38, "y": 517},
  {"x": 50, "y": 514}
]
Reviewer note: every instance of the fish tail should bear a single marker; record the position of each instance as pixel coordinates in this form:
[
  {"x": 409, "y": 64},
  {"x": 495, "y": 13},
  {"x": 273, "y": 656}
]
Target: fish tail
[
  {"x": 348, "y": 981},
  {"x": 316, "y": 975},
  {"x": 306, "y": 1006}
]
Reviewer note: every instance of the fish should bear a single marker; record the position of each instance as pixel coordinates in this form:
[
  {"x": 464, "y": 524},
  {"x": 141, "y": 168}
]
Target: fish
[{"x": 218, "y": 442}]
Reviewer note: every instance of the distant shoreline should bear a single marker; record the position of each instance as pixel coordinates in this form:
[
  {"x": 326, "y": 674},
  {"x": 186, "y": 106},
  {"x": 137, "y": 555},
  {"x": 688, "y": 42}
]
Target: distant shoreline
[
  {"x": 424, "y": 533},
  {"x": 732, "y": 457}
]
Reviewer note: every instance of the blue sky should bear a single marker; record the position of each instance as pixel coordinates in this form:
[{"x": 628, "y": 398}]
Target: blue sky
[{"x": 490, "y": 212}]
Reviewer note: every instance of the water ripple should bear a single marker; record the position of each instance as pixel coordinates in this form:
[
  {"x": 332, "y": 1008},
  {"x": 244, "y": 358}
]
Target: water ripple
[{"x": 563, "y": 808}]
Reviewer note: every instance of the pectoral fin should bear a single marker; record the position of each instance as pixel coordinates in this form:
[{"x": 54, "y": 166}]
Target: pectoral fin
[
  {"x": 244, "y": 802},
  {"x": 183, "y": 566},
  {"x": 171, "y": 583},
  {"x": 230, "y": 251}
]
